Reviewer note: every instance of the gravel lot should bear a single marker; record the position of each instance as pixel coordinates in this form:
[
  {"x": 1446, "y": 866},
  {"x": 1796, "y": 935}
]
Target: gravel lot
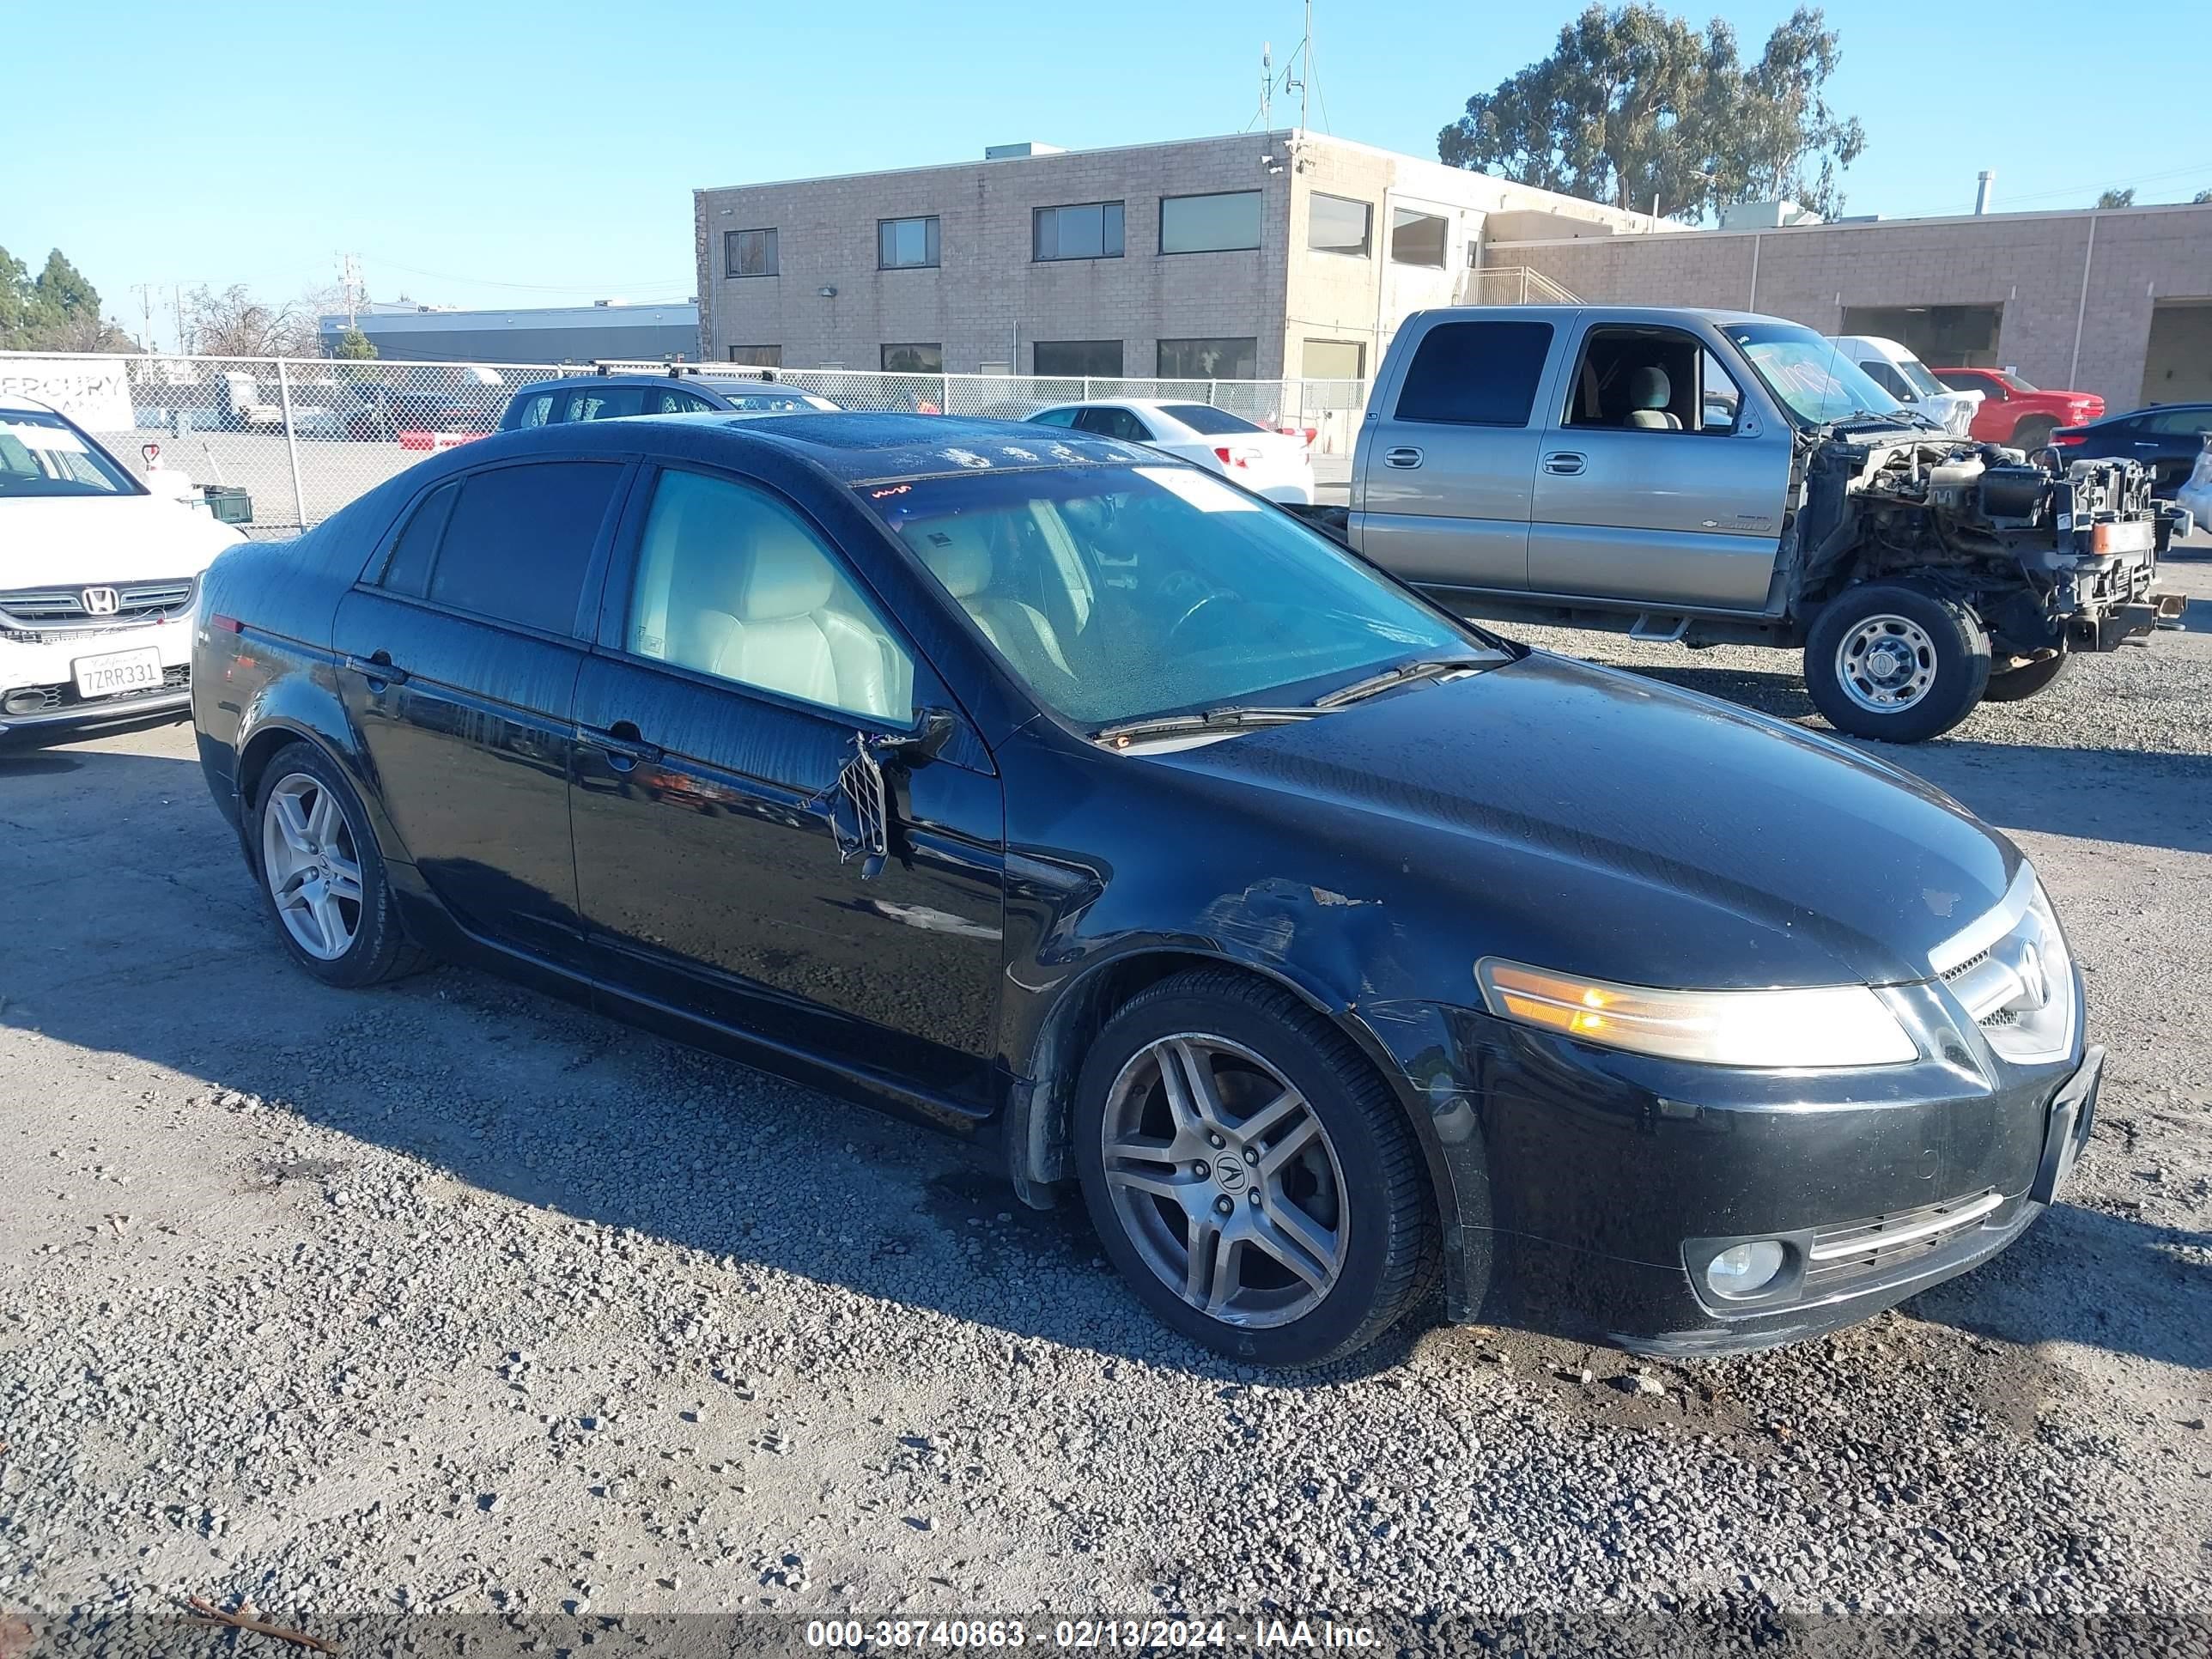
[{"x": 450, "y": 1298}]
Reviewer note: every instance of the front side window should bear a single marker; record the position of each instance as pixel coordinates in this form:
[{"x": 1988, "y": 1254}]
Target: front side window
[
  {"x": 1108, "y": 421},
  {"x": 1231, "y": 358},
  {"x": 1417, "y": 238},
  {"x": 1476, "y": 374},
  {"x": 1209, "y": 224},
  {"x": 1091, "y": 230},
  {"x": 906, "y": 244},
  {"x": 749, "y": 252},
  {"x": 1886, "y": 376},
  {"x": 1637, "y": 379},
  {"x": 733, "y": 583},
  {"x": 518, "y": 540},
  {"x": 1337, "y": 224},
  {"x": 1810, "y": 377},
  {"x": 918, "y": 358},
  {"x": 1720, "y": 399},
  {"x": 41, "y": 454},
  {"x": 1118, "y": 592},
  {"x": 1065, "y": 359}
]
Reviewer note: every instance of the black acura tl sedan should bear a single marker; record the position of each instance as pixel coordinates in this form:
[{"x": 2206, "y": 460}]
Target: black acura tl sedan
[{"x": 1053, "y": 793}]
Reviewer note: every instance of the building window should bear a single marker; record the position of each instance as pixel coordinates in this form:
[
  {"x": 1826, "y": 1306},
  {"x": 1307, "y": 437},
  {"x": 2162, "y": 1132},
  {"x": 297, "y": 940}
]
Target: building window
[
  {"x": 1209, "y": 224},
  {"x": 758, "y": 356},
  {"x": 1098, "y": 358},
  {"x": 906, "y": 244},
  {"x": 1417, "y": 238},
  {"x": 1235, "y": 358},
  {"x": 1337, "y": 224},
  {"x": 913, "y": 359},
  {"x": 1335, "y": 360},
  {"x": 749, "y": 252},
  {"x": 1090, "y": 230}
]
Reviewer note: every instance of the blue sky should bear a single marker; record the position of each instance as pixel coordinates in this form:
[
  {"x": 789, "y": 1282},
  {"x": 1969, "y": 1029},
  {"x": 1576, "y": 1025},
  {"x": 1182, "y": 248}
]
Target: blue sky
[{"x": 484, "y": 152}]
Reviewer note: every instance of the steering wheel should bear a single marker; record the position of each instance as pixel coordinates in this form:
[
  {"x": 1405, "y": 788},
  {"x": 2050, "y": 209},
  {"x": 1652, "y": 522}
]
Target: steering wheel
[{"x": 1184, "y": 620}]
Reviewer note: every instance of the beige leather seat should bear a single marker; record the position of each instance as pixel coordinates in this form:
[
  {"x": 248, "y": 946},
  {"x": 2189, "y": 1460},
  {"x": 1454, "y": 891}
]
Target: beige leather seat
[
  {"x": 959, "y": 557},
  {"x": 775, "y": 615},
  {"x": 1650, "y": 391}
]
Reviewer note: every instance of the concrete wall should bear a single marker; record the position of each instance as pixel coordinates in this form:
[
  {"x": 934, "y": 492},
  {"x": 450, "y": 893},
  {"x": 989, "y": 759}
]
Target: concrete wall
[
  {"x": 988, "y": 290},
  {"x": 2032, "y": 264}
]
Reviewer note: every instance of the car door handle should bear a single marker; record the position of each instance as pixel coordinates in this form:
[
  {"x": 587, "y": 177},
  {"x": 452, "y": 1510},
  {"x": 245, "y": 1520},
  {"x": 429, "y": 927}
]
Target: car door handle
[
  {"x": 377, "y": 670},
  {"x": 624, "y": 745},
  {"x": 1566, "y": 462},
  {"x": 1407, "y": 457}
]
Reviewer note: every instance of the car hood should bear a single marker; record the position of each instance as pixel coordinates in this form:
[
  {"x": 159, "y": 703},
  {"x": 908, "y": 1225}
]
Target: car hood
[
  {"x": 57, "y": 541},
  {"x": 1593, "y": 821}
]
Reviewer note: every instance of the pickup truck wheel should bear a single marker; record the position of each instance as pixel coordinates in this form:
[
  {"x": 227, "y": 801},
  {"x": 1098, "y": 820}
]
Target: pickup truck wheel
[
  {"x": 2012, "y": 684},
  {"x": 1890, "y": 662},
  {"x": 2031, "y": 435}
]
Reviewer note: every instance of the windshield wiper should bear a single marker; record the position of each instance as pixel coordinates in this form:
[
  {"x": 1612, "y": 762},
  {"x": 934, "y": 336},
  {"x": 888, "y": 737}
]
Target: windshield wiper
[
  {"x": 1227, "y": 718},
  {"x": 1404, "y": 673}
]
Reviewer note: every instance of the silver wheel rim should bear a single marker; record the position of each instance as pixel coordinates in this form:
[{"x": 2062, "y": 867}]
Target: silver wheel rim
[
  {"x": 1224, "y": 1180},
  {"x": 312, "y": 866},
  {"x": 1887, "y": 664}
]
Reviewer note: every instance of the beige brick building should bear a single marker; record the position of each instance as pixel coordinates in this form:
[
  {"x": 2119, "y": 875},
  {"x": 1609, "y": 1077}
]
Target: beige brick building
[
  {"x": 2116, "y": 302},
  {"x": 1256, "y": 256}
]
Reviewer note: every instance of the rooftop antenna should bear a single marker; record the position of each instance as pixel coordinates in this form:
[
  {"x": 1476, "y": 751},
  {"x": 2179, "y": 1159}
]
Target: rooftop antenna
[
  {"x": 1267, "y": 80},
  {"x": 1303, "y": 59}
]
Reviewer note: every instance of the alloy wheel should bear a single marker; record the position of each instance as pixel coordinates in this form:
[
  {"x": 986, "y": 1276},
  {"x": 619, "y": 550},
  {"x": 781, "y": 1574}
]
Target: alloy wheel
[
  {"x": 1886, "y": 664},
  {"x": 1224, "y": 1180},
  {"x": 311, "y": 866}
]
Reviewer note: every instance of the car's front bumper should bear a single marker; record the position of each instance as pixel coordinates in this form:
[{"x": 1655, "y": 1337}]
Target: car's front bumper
[
  {"x": 38, "y": 676},
  {"x": 1591, "y": 1187}
]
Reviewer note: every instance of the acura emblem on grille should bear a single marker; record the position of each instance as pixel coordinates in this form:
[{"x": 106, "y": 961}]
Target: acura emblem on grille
[{"x": 101, "y": 602}]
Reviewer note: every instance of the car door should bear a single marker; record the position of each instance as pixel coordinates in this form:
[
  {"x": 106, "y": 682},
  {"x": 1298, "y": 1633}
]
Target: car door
[
  {"x": 741, "y": 658},
  {"x": 459, "y": 650},
  {"x": 1665, "y": 491},
  {"x": 1449, "y": 457}
]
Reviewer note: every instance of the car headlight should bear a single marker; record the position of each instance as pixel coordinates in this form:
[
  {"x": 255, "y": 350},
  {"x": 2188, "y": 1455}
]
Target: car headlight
[{"x": 1821, "y": 1026}]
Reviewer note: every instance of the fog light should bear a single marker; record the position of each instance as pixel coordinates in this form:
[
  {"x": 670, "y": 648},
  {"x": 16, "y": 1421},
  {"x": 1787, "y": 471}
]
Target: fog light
[{"x": 1744, "y": 1269}]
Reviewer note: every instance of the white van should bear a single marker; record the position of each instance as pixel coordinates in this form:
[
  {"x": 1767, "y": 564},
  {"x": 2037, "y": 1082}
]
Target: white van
[{"x": 1907, "y": 379}]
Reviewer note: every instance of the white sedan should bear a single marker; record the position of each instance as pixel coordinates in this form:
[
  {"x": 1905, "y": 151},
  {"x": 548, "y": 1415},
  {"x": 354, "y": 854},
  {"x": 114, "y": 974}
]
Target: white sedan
[
  {"x": 1270, "y": 464},
  {"x": 98, "y": 576}
]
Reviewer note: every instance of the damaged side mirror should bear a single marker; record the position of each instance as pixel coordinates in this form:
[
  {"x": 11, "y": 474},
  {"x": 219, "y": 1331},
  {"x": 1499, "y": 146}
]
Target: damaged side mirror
[{"x": 862, "y": 801}]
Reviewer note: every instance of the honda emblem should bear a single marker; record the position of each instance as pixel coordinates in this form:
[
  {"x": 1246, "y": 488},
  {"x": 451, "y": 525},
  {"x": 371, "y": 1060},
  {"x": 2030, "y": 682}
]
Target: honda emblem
[{"x": 101, "y": 602}]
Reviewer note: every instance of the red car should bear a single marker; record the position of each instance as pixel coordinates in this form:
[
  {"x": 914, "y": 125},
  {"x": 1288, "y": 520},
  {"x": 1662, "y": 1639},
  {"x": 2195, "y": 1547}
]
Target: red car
[{"x": 2014, "y": 412}]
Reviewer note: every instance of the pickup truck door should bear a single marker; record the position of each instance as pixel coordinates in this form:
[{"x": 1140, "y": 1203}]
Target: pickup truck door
[
  {"x": 1661, "y": 476},
  {"x": 1448, "y": 457}
]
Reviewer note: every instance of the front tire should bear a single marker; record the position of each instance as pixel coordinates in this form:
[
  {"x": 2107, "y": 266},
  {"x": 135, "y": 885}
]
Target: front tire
[
  {"x": 1250, "y": 1174},
  {"x": 2032, "y": 435},
  {"x": 2016, "y": 685},
  {"x": 1890, "y": 662},
  {"x": 322, "y": 876}
]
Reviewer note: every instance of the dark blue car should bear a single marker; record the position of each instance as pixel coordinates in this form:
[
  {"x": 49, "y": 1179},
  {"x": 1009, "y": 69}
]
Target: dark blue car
[
  {"x": 610, "y": 397},
  {"x": 2166, "y": 438}
]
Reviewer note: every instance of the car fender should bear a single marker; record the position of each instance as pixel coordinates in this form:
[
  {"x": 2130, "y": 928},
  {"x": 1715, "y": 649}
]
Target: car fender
[{"x": 304, "y": 705}]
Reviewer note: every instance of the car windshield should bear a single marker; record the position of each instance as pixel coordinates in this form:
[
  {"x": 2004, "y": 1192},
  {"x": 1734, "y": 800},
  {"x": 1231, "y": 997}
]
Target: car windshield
[
  {"x": 1120, "y": 593},
  {"x": 1917, "y": 376},
  {"x": 1812, "y": 376},
  {"x": 42, "y": 454},
  {"x": 1204, "y": 417}
]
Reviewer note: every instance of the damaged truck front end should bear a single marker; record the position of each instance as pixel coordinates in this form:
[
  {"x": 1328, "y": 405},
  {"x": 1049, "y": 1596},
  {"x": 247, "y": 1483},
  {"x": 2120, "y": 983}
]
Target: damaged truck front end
[{"x": 1927, "y": 573}]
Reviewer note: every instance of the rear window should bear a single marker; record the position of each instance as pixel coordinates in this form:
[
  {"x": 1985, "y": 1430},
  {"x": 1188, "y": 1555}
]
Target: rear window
[
  {"x": 1476, "y": 374},
  {"x": 1204, "y": 417},
  {"x": 519, "y": 539}
]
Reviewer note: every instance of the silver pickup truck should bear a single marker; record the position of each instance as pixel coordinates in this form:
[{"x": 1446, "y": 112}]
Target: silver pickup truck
[{"x": 1713, "y": 477}]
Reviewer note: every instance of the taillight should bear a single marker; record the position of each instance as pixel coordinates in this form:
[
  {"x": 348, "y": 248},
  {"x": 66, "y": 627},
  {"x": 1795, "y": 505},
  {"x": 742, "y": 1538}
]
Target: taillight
[
  {"x": 1228, "y": 457},
  {"x": 2070, "y": 439},
  {"x": 227, "y": 624}
]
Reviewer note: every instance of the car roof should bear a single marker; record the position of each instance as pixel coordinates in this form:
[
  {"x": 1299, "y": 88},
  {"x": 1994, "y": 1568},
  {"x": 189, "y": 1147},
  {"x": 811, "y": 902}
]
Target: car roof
[
  {"x": 712, "y": 385},
  {"x": 849, "y": 446}
]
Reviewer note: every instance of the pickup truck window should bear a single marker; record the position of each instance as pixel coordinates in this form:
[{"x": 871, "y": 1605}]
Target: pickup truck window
[
  {"x": 1476, "y": 374},
  {"x": 1811, "y": 376},
  {"x": 1639, "y": 379}
]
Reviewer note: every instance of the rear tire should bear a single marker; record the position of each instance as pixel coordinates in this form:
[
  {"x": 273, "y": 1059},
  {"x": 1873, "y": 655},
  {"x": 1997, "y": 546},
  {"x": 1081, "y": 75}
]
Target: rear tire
[
  {"x": 2032, "y": 435},
  {"x": 1255, "y": 1137},
  {"x": 322, "y": 876},
  {"x": 1890, "y": 662},
  {"x": 2017, "y": 684}
]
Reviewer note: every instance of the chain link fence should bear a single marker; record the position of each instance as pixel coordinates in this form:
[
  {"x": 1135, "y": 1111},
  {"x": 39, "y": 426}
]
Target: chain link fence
[{"x": 304, "y": 436}]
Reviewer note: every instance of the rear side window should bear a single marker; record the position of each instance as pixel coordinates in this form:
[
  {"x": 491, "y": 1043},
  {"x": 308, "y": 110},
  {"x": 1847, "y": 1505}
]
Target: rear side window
[
  {"x": 610, "y": 404},
  {"x": 518, "y": 540},
  {"x": 531, "y": 408},
  {"x": 408, "y": 569},
  {"x": 661, "y": 401},
  {"x": 1476, "y": 374},
  {"x": 1204, "y": 417},
  {"x": 1056, "y": 418}
]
